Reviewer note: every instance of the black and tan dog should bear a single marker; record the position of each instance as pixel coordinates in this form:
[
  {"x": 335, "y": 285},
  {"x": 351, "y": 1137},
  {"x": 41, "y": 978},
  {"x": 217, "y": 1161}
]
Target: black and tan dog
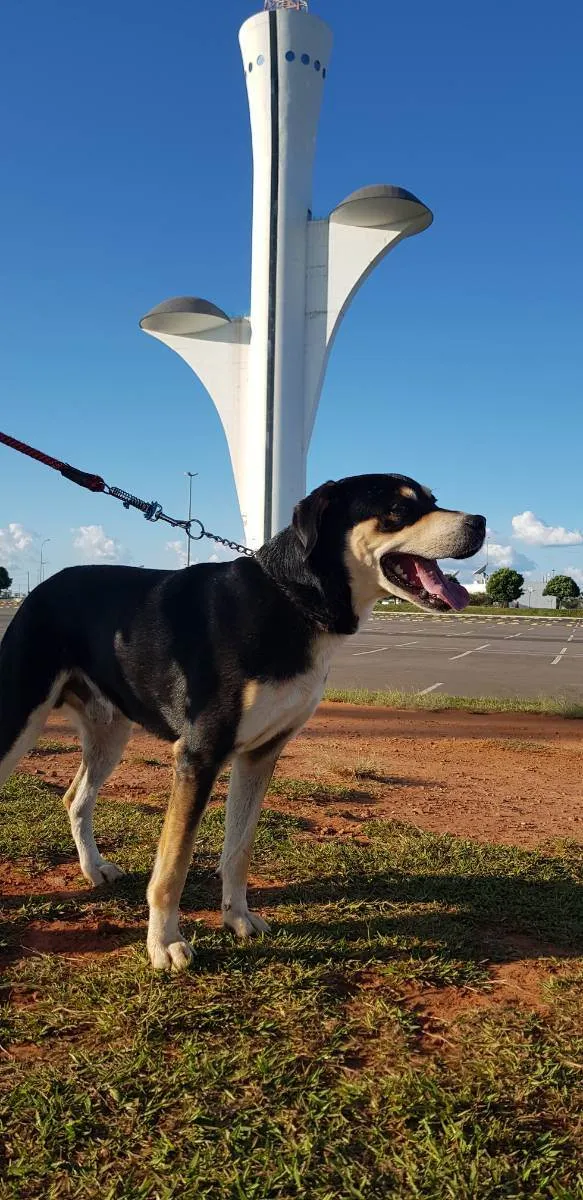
[{"x": 226, "y": 660}]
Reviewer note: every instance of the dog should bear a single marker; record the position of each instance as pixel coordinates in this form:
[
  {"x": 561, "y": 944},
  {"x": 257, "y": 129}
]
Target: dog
[{"x": 226, "y": 660}]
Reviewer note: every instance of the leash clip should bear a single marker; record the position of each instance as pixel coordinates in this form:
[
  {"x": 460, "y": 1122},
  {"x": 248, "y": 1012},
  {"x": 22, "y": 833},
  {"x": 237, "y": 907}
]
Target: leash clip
[{"x": 153, "y": 511}]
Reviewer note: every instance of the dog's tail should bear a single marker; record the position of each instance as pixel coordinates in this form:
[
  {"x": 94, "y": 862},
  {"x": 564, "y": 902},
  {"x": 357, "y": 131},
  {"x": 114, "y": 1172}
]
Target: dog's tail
[{"x": 31, "y": 679}]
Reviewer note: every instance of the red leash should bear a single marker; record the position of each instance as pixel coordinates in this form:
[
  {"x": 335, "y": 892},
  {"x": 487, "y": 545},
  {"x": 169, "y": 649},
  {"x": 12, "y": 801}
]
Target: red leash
[{"x": 93, "y": 482}]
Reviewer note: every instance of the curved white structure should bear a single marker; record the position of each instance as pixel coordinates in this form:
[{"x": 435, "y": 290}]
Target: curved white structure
[{"x": 265, "y": 372}]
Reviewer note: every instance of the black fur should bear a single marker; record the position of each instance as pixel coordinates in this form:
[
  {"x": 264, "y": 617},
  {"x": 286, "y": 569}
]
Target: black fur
[{"x": 166, "y": 647}]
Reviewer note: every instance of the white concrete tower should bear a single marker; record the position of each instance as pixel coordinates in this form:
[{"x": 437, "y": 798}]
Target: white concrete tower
[{"x": 265, "y": 373}]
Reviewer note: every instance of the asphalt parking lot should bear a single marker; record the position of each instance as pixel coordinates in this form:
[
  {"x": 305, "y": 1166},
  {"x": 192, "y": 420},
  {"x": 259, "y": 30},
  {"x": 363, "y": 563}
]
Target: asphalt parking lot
[{"x": 462, "y": 656}]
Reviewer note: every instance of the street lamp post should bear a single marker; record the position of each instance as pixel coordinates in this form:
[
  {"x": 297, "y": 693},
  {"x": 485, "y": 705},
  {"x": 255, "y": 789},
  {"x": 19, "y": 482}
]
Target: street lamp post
[
  {"x": 42, "y": 561},
  {"x": 191, "y": 475},
  {"x": 27, "y": 573}
]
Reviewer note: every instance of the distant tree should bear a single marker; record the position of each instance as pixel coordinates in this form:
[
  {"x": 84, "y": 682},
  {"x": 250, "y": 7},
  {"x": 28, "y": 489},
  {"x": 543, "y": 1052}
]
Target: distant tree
[
  {"x": 564, "y": 588},
  {"x": 505, "y": 585},
  {"x": 5, "y": 580}
]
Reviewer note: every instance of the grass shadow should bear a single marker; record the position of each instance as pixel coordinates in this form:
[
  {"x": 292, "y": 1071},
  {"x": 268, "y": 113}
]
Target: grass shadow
[{"x": 374, "y": 918}]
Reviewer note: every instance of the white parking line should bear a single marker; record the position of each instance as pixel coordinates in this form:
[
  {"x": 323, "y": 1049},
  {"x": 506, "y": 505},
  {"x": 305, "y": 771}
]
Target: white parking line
[
  {"x": 559, "y": 657},
  {"x": 484, "y": 647},
  {"x": 508, "y": 636},
  {"x": 397, "y": 646},
  {"x": 426, "y": 691}
]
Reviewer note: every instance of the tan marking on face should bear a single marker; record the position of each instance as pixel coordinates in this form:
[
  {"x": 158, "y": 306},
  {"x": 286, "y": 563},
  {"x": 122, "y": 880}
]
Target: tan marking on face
[
  {"x": 250, "y": 694},
  {"x": 438, "y": 534},
  {"x": 361, "y": 555},
  {"x": 407, "y": 492}
]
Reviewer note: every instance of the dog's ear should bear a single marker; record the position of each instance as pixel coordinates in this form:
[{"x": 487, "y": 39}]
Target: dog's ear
[{"x": 308, "y": 515}]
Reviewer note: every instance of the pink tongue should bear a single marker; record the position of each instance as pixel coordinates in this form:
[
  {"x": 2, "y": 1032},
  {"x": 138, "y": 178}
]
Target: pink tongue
[{"x": 434, "y": 581}]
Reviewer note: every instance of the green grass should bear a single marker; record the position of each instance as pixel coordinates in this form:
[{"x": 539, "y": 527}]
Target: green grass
[
  {"x": 296, "y": 1065},
  {"x": 438, "y": 701},
  {"x": 483, "y": 610},
  {"x": 46, "y": 746}
]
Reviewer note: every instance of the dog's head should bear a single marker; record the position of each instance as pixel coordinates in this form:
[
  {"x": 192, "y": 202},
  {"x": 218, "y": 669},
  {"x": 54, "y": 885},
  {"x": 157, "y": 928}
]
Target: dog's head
[{"x": 389, "y": 532}]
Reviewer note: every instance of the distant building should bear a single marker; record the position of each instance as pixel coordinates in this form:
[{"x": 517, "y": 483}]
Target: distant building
[
  {"x": 478, "y": 586},
  {"x": 532, "y": 596}
]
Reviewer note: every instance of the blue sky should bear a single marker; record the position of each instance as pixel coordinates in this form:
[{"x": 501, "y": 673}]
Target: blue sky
[{"x": 127, "y": 179}]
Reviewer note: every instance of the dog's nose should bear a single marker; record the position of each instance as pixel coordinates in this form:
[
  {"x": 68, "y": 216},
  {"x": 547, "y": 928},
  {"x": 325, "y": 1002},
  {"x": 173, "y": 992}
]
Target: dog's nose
[{"x": 478, "y": 522}]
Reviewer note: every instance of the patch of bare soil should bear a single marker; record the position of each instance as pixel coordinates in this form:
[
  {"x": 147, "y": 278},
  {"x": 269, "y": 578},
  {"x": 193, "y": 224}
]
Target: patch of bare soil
[
  {"x": 440, "y": 1012},
  {"x": 500, "y": 777}
]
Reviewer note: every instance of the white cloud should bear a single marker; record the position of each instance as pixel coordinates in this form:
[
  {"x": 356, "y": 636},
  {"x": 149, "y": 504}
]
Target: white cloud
[
  {"x": 529, "y": 528},
  {"x": 508, "y": 556},
  {"x": 15, "y": 544},
  {"x": 576, "y": 573},
  {"x": 498, "y": 556},
  {"x": 95, "y": 545},
  {"x": 179, "y": 550},
  {"x": 222, "y": 554}
]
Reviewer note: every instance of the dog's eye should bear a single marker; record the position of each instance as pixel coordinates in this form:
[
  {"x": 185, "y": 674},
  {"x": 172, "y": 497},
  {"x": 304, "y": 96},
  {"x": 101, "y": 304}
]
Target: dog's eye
[{"x": 392, "y": 521}]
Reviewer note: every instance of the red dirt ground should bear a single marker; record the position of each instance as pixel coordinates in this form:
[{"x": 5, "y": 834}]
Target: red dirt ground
[
  {"x": 499, "y": 777},
  {"x": 507, "y": 778}
]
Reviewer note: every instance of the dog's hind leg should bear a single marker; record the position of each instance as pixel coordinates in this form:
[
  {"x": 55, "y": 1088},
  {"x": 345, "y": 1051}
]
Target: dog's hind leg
[
  {"x": 104, "y": 733},
  {"x": 29, "y": 689},
  {"x": 250, "y": 776}
]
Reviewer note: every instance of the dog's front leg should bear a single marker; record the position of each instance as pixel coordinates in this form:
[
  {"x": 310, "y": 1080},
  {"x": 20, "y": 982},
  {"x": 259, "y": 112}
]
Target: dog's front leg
[
  {"x": 192, "y": 784},
  {"x": 250, "y": 778}
]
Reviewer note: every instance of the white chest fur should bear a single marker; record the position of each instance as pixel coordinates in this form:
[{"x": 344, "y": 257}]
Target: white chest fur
[{"x": 273, "y": 708}]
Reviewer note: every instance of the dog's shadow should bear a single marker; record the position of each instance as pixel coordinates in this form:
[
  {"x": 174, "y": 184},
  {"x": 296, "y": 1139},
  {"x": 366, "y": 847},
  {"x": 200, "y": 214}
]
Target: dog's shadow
[{"x": 379, "y": 918}]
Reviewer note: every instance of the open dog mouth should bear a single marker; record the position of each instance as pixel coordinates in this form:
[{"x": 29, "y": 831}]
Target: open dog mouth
[{"x": 424, "y": 582}]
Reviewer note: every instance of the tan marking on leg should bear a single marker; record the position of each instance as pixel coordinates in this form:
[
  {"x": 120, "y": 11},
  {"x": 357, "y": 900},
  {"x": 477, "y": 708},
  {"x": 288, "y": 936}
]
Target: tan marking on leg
[
  {"x": 166, "y": 946},
  {"x": 72, "y": 789},
  {"x": 250, "y": 693}
]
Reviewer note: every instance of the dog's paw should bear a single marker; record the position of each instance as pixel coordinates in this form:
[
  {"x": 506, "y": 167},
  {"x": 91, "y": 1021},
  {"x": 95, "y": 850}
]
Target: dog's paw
[
  {"x": 101, "y": 871},
  {"x": 244, "y": 923},
  {"x": 175, "y": 956}
]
